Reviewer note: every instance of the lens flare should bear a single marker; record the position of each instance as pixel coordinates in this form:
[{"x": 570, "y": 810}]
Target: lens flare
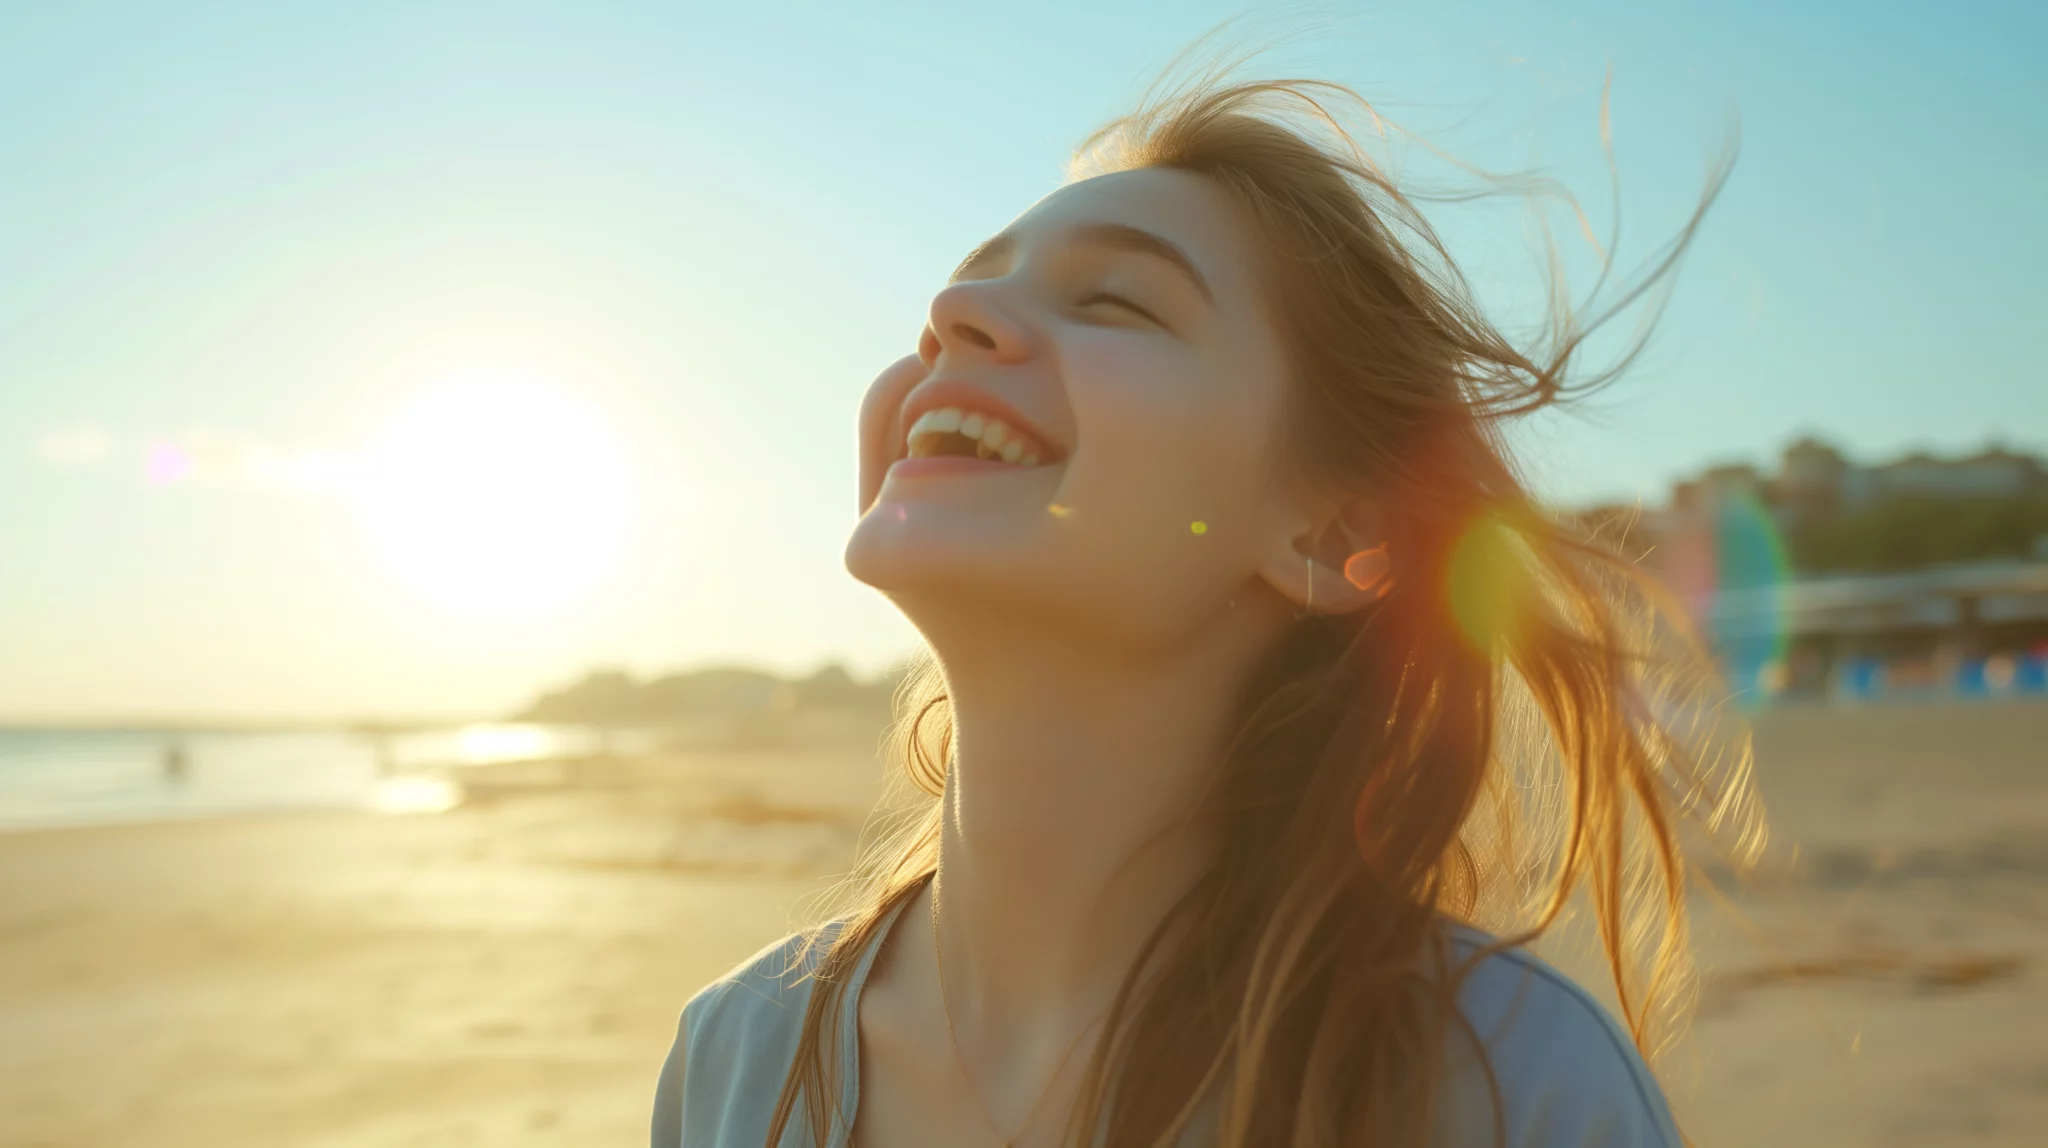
[
  {"x": 1488, "y": 578},
  {"x": 165, "y": 463}
]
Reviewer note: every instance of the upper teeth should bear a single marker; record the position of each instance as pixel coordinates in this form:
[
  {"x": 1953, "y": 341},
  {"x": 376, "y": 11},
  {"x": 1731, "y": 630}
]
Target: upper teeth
[{"x": 993, "y": 437}]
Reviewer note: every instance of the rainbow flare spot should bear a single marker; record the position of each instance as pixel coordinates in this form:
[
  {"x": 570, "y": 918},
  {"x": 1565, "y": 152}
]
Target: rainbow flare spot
[
  {"x": 1732, "y": 571},
  {"x": 165, "y": 463}
]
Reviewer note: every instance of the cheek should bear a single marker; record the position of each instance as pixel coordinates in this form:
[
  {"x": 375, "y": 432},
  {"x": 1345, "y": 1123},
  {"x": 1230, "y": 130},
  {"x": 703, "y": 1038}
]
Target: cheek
[
  {"x": 1171, "y": 452},
  {"x": 878, "y": 425}
]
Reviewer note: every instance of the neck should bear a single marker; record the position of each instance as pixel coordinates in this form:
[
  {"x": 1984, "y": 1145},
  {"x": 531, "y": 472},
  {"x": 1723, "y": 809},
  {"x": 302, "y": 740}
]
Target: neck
[{"x": 1073, "y": 816}]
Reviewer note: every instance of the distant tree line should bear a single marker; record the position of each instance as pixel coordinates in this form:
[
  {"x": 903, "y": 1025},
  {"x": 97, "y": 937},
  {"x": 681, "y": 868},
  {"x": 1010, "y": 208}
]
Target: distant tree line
[
  {"x": 1910, "y": 532},
  {"x": 616, "y": 698}
]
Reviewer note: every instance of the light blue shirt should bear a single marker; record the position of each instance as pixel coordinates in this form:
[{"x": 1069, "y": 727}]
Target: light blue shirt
[{"x": 1568, "y": 1075}]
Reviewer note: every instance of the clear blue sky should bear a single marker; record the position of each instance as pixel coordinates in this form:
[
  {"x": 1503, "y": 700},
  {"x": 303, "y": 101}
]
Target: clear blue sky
[{"x": 250, "y": 231}]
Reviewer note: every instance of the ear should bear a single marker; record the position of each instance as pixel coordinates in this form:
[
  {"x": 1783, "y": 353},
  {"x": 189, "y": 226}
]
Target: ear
[{"x": 1334, "y": 560}]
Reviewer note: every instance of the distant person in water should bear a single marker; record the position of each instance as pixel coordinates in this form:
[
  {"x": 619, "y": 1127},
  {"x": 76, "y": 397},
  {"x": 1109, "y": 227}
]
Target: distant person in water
[
  {"x": 176, "y": 767},
  {"x": 1265, "y": 715}
]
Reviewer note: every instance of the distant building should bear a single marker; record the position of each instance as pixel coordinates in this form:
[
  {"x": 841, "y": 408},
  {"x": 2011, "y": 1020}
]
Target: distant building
[
  {"x": 1995, "y": 473},
  {"x": 1833, "y": 579},
  {"x": 1816, "y": 485},
  {"x": 1812, "y": 482},
  {"x": 1975, "y": 629}
]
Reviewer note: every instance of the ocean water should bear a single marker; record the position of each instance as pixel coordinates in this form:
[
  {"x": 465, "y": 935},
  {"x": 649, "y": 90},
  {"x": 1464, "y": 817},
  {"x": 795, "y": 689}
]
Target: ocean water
[{"x": 54, "y": 777}]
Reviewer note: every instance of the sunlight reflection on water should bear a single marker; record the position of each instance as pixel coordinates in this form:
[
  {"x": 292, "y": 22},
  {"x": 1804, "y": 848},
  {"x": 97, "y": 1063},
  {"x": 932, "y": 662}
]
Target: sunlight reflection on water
[
  {"x": 484, "y": 743},
  {"x": 407, "y": 795},
  {"x": 54, "y": 776}
]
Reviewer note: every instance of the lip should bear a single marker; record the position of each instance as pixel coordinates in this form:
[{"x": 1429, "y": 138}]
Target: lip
[
  {"x": 931, "y": 396},
  {"x": 936, "y": 465}
]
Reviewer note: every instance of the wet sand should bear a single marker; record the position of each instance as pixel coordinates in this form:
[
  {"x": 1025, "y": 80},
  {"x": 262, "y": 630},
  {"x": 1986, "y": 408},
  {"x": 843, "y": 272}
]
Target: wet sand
[{"x": 509, "y": 973}]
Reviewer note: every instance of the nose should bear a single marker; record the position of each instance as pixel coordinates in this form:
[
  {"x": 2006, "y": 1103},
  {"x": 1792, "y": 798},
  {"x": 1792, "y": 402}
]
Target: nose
[{"x": 969, "y": 320}]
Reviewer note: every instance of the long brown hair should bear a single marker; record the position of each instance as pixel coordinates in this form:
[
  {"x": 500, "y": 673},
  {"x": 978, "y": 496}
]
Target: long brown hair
[{"x": 1521, "y": 723}]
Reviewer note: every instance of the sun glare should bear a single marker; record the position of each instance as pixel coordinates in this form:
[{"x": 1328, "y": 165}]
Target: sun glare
[{"x": 496, "y": 495}]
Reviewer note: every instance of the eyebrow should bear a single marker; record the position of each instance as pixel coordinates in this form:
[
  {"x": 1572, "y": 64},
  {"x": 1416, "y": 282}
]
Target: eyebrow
[{"x": 1116, "y": 236}]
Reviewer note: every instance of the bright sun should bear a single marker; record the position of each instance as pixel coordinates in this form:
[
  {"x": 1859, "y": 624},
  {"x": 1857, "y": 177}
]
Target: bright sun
[{"x": 496, "y": 495}]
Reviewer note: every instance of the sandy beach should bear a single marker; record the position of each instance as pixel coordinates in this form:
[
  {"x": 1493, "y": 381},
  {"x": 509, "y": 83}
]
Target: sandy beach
[{"x": 510, "y": 972}]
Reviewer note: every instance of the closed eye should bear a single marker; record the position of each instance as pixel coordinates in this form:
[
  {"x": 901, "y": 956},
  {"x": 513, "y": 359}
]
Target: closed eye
[{"x": 1120, "y": 301}]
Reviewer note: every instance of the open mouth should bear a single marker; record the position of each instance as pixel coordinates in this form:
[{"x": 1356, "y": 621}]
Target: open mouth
[{"x": 954, "y": 432}]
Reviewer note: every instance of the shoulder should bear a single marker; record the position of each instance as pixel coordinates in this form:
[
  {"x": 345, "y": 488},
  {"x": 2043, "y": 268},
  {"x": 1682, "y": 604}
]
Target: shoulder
[
  {"x": 734, "y": 1043},
  {"x": 1567, "y": 1073},
  {"x": 772, "y": 984}
]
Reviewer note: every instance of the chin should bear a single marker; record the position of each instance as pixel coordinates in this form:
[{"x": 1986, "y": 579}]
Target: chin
[
  {"x": 949, "y": 587},
  {"x": 914, "y": 545},
  {"x": 894, "y": 553}
]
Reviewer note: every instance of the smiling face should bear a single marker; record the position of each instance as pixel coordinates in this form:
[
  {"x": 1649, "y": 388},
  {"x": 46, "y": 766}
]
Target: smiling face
[{"x": 1090, "y": 431}]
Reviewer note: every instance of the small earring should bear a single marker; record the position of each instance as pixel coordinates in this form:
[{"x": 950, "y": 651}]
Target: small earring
[
  {"x": 1309, "y": 607},
  {"x": 1369, "y": 569}
]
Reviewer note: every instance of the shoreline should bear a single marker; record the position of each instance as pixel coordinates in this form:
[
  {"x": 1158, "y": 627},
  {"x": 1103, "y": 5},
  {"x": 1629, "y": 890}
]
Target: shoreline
[{"x": 74, "y": 777}]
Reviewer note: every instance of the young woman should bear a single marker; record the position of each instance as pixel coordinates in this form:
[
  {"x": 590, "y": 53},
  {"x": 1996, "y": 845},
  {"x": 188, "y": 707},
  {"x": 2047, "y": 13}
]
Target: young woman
[{"x": 1259, "y": 687}]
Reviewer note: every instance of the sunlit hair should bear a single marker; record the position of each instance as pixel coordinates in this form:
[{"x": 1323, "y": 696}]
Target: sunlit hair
[{"x": 1522, "y": 724}]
